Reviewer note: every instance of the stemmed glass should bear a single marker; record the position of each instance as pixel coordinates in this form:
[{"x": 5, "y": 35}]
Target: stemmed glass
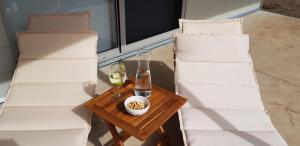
[{"x": 117, "y": 76}]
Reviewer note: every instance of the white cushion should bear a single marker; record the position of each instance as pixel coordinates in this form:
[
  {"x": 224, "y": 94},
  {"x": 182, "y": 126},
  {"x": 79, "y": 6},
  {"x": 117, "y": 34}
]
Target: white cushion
[
  {"x": 41, "y": 45},
  {"x": 50, "y": 94},
  {"x": 219, "y": 96},
  {"x": 54, "y": 137},
  {"x": 209, "y": 73},
  {"x": 225, "y": 119},
  {"x": 44, "y": 118},
  {"x": 234, "y": 138},
  {"x": 75, "y": 21},
  {"x": 229, "y": 26},
  {"x": 56, "y": 71},
  {"x": 212, "y": 47}
]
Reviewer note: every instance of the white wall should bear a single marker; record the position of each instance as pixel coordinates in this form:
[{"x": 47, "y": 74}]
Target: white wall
[
  {"x": 219, "y": 9},
  {"x": 7, "y": 61}
]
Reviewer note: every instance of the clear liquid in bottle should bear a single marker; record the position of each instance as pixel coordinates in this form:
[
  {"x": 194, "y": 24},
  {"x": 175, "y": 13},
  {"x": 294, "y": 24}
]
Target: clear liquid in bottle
[{"x": 143, "y": 83}]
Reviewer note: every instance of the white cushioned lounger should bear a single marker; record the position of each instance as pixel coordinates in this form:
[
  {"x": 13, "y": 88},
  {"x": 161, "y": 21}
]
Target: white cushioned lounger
[
  {"x": 215, "y": 72},
  {"x": 55, "y": 75}
]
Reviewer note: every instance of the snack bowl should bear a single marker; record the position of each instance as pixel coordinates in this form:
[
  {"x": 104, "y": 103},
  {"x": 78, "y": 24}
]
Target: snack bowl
[{"x": 137, "y": 99}]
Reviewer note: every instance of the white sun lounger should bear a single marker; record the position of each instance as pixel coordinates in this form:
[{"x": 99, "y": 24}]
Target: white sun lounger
[
  {"x": 56, "y": 73},
  {"x": 214, "y": 70}
]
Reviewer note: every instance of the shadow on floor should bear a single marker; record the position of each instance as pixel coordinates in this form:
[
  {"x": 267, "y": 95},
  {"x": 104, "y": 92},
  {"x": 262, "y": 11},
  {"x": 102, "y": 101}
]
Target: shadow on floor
[
  {"x": 8, "y": 142},
  {"x": 98, "y": 130},
  {"x": 284, "y": 7}
]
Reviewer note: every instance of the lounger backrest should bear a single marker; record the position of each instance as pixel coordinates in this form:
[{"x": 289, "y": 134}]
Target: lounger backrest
[
  {"x": 211, "y": 56},
  {"x": 56, "y": 45},
  {"x": 212, "y": 47},
  {"x": 75, "y": 21},
  {"x": 228, "y": 26}
]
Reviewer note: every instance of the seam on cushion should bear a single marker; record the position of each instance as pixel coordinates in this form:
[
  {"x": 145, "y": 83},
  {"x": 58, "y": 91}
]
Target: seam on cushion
[
  {"x": 213, "y": 20},
  {"x": 267, "y": 116},
  {"x": 218, "y": 85},
  {"x": 55, "y": 82},
  {"x": 71, "y": 58},
  {"x": 261, "y": 107},
  {"x": 67, "y": 106},
  {"x": 232, "y": 85},
  {"x": 78, "y": 81},
  {"x": 230, "y": 130},
  {"x": 211, "y": 61},
  {"x": 271, "y": 130},
  {"x": 86, "y": 122},
  {"x": 51, "y": 106},
  {"x": 75, "y": 82},
  {"x": 230, "y": 109},
  {"x": 79, "y": 58},
  {"x": 56, "y": 59},
  {"x": 56, "y": 32},
  {"x": 208, "y": 35},
  {"x": 43, "y": 129}
]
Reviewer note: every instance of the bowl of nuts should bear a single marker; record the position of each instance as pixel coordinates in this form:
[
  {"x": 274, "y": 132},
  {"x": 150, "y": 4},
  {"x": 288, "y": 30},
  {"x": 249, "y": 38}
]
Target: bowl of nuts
[{"x": 137, "y": 105}]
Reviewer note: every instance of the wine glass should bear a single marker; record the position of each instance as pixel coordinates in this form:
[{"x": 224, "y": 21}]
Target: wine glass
[{"x": 117, "y": 76}]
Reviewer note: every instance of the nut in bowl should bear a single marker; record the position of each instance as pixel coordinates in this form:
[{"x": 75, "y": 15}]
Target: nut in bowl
[{"x": 136, "y": 105}]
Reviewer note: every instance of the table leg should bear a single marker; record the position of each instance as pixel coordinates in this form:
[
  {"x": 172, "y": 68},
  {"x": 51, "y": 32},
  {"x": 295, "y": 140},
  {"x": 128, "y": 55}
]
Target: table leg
[
  {"x": 115, "y": 134},
  {"x": 124, "y": 136},
  {"x": 164, "y": 140}
]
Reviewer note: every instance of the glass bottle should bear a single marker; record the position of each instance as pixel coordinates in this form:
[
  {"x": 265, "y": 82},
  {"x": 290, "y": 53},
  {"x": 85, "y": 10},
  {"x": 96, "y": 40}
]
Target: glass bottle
[{"x": 143, "y": 83}]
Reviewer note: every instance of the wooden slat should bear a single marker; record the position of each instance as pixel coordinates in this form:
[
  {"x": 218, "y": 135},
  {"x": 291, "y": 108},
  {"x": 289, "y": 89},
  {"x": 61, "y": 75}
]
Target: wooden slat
[
  {"x": 155, "y": 114},
  {"x": 154, "y": 109}
]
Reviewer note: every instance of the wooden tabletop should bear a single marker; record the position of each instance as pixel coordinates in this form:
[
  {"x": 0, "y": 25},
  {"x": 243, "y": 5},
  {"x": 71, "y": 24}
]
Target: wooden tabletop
[{"x": 163, "y": 104}]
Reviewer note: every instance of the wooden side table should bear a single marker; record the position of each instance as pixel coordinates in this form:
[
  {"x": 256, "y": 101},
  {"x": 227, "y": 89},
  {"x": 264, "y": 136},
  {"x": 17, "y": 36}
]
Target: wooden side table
[{"x": 163, "y": 104}]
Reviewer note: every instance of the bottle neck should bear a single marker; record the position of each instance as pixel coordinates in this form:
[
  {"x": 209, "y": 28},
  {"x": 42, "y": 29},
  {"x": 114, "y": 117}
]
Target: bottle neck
[{"x": 143, "y": 63}]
